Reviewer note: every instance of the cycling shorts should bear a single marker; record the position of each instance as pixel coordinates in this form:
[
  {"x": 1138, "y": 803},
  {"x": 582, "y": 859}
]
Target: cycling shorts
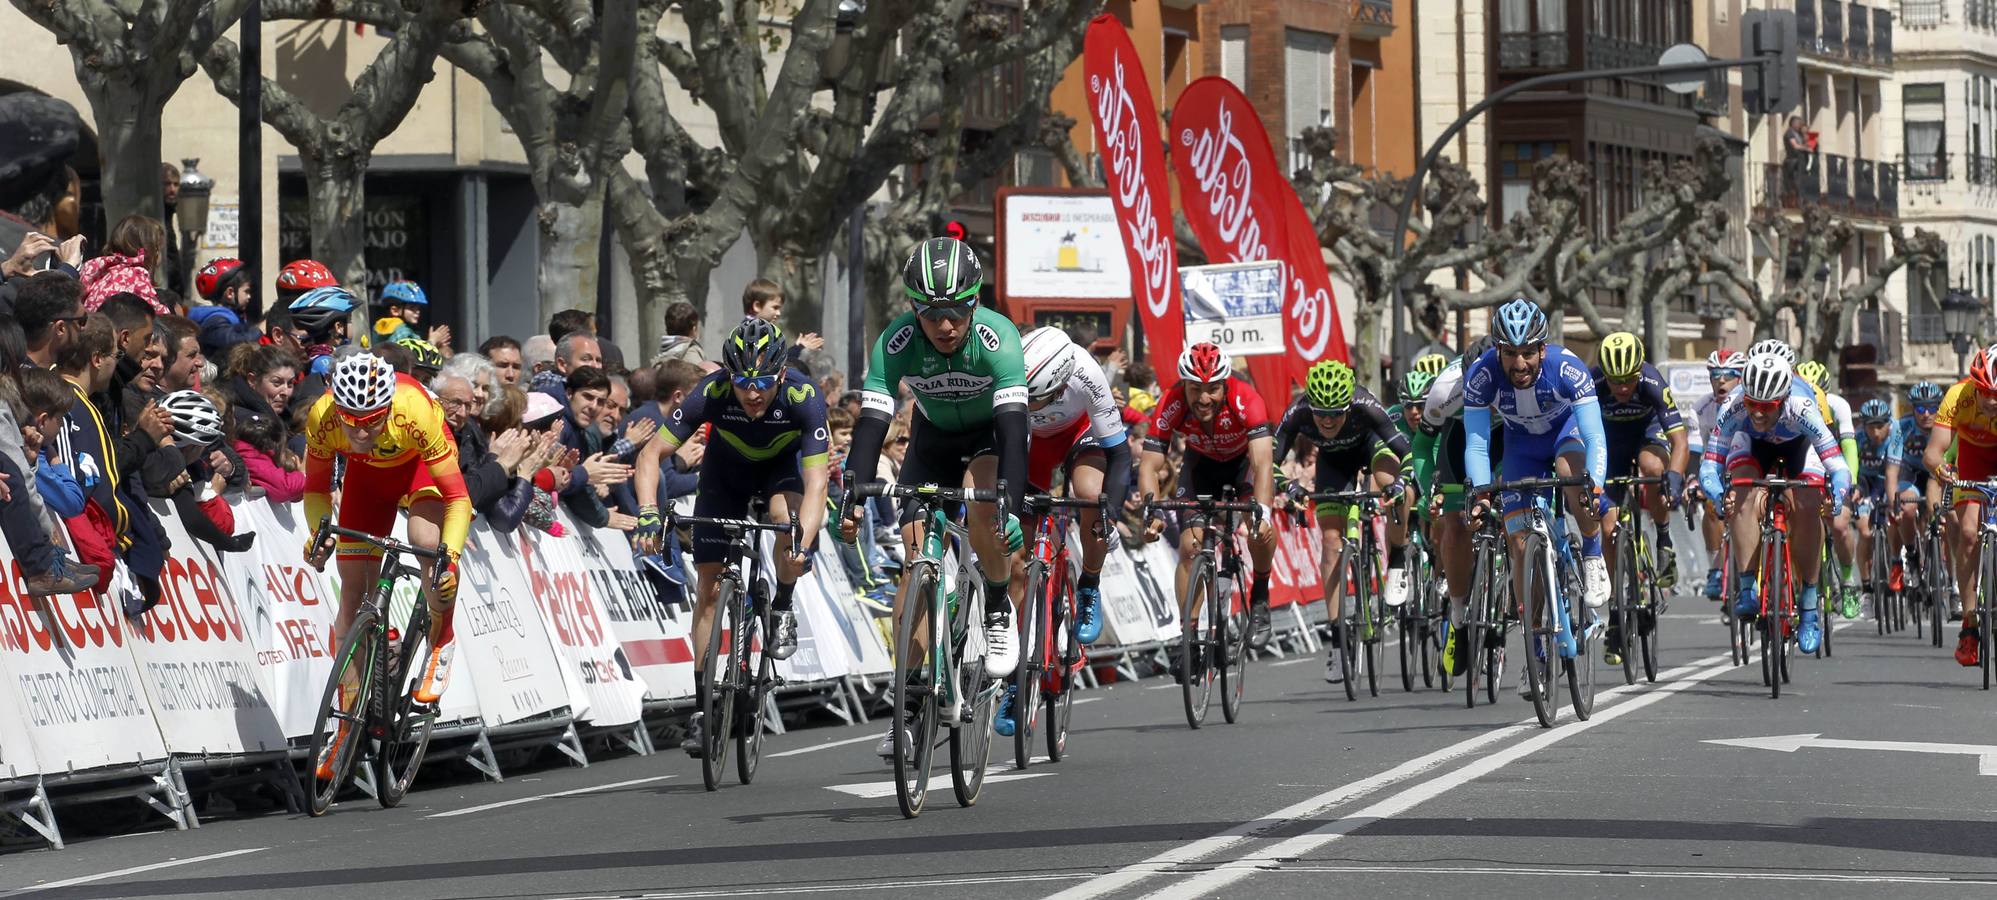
[
  {"x": 1204, "y": 476},
  {"x": 365, "y": 503},
  {"x": 1338, "y": 470},
  {"x": 1529, "y": 455},
  {"x": 1750, "y": 458},
  {"x": 1624, "y": 445},
  {"x": 1046, "y": 455},
  {"x": 940, "y": 457},
  {"x": 1973, "y": 463},
  {"x": 728, "y": 482}
]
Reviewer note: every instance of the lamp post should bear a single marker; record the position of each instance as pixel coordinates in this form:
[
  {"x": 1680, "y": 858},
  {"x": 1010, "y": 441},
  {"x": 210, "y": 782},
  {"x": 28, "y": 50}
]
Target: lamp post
[
  {"x": 1961, "y": 314},
  {"x": 190, "y": 209}
]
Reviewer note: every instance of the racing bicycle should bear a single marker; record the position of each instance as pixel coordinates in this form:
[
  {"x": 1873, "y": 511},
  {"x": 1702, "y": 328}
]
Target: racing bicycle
[
  {"x": 1558, "y": 626},
  {"x": 1986, "y": 569},
  {"x": 1213, "y": 645},
  {"x": 1049, "y": 655},
  {"x": 1362, "y": 615}
]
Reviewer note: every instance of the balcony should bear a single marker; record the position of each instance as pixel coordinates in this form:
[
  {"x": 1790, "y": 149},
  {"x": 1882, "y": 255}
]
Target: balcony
[
  {"x": 1982, "y": 169},
  {"x": 1532, "y": 50},
  {"x": 1616, "y": 53},
  {"x": 1371, "y": 20},
  {"x": 1864, "y": 191},
  {"x": 1857, "y": 31},
  {"x": 1926, "y": 328},
  {"x": 1923, "y": 13},
  {"x": 1925, "y": 167},
  {"x": 1830, "y": 40},
  {"x": 1806, "y": 26},
  {"x": 1882, "y": 37},
  {"x": 1837, "y": 180},
  {"x": 1880, "y": 330},
  {"x": 1888, "y": 206}
]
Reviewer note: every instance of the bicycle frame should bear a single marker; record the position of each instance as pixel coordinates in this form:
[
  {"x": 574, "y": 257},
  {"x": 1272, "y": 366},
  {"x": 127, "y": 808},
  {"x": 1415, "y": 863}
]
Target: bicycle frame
[
  {"x": 1986, "y": 566},
  {"x": 1218, "y": 564}
]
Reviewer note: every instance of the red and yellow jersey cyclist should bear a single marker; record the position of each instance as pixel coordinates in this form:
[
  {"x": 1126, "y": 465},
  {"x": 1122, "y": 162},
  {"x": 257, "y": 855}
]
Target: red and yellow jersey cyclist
[
  {"x": 1963, "y": 445},
  {"x": 399, "y": 452}
]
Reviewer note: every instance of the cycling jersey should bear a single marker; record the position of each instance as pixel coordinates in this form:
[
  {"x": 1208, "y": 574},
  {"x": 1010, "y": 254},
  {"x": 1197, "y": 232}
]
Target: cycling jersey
[
  {"x": 1445, "y": 396},
  {"x": 1959, "y": 413},
  {"x": 955, "y": 391},
  {"x": 1086, "y": 397},
  {"x": 1240, "y": 419},
  {"x": 1559, "y": 408},
  {"x": 1651, "y": 404},
  {"x": 1367, "y": 428},
  {"x": 1422, "y": 443},
  {"x": 793, "y": 425},
  {"x": 1735, "y": 438},
  {"x": 1913, "y": 445},
  {"x": 1874, "y": 456},
  {"x": 415, "y": 450}
]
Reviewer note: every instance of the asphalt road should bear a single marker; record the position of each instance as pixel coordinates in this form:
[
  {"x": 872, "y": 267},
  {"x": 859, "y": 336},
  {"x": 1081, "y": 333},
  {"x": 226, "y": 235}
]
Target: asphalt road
[{"x": 1400, "y": 795}]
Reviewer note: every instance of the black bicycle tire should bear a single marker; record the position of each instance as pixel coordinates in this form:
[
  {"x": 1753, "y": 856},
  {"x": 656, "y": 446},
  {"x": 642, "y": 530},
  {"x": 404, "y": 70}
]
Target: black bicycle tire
[
  {"x": 393, "y": 776},
  {"x": 359, "y": 634},
  {"x": 1032, "y": 666},
  {"x": 1234, "y": 660},
  {"x": 1987, "y": 558},
  {"x": 1476, "y": 626},
  {"x": 1539, "y": 640},
  {"x": 914, "y": 744},
  {"x": 749, "y": 735},
  {"x": 971, "y": 741},
  {"x": 1192, "y": 638},
  {"x": 1061, "y": 702},
  {"x": 1370, "y": 603},
  {"x": 716, "y": 713},
  {"x": 1581, "y": 668},
  {"x": 1622, "y": 602}
]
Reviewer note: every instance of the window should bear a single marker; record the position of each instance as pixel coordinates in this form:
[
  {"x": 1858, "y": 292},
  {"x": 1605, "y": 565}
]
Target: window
[
  {"x": 1177, "y": 68},
  {"x": 1234, "y": 55},
  {"x": 1515, "y": 164},
  {"x": 1532, "y": 34},
  {"x": 1927, "y": 152},
  {"x": 1308, "y": 87}
]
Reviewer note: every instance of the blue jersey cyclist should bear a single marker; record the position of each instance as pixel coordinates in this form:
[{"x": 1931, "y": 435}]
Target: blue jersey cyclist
[
  {"x": 1878, "y": 449},
  {"x": 1553, "y": 424},
  {"x": 1773, "y": 429},
  {"x": 1914, "y": 492}
]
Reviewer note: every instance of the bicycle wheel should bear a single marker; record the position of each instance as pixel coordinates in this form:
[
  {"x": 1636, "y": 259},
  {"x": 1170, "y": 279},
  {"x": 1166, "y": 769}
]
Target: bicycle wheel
[
  {"x": 1407, "y": 643},
  {"x": 1195, "y": 676},
  {"x": 1987, "y": 561},
  {"x": 1774, "y": 625},
  {"x": 1370, "y": 606},
  {"x": 406, "y": 733},
  {"x": 1622, "y": 598},
  {"x": 971, "y": 741},
  {"x": 1061, "y": 682},
  {"x": 756, "y": 675},
  {"x": 1231, "y": 635},
  {"x": 1540, "y": 650},
  {"x": 1478, "y": 612},
  {"x": 1878, "y": 572},
  {"x": 359, "y": 653},
  {"x": 1033, "y": 655},
  {"x": 1650, "y": 619},
  {"x": 1581, "y": 668},
  {"x": 712, "y": 691},
  {"x": 1830, "y": 593},
  {"x": 915, "y": 738}
]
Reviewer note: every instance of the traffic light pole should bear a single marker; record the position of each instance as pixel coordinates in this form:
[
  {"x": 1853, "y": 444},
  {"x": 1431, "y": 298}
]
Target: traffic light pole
[{"x": 1407, "y": 202}]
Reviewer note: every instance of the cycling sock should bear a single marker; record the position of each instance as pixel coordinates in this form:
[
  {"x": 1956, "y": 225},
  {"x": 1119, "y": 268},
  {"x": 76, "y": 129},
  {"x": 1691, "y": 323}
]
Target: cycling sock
[
  {"x": 1807, "y": 601},
  {"x": 1664, "y": 539},
  {"x": 782, "y": 601},
  {"x": 996, "y": 600},
  {"x": 1591, "y": 545},
  {"x": 1259, "y": 594},
  {"x": 1089, "y": 580},
  {"x": 1396, "y": 557}
]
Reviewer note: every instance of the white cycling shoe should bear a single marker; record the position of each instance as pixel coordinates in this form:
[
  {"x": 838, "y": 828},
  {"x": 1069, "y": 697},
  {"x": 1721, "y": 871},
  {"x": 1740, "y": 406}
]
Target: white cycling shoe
[
  {"x": 1595, "y": 578},
  {"x": 1001, "y": 645},
  {"x": 1396, "y": 592}
]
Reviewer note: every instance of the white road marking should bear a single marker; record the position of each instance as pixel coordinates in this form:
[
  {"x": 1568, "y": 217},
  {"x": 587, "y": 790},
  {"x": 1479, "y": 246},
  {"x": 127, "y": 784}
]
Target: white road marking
[
  {"x": 134, "y": 870},
  {"x": 1292, "y": 662},
  {"x": 516, "y": 802},
  {"x": 874, "y": 790},
  {"x": 1986, "y": 755},
  {"x": 1720, "y": 874},
  {"x": 1164, "y": 863},
  {"x": 762, "y": 890},
  {"x": 827, "y": 746}
]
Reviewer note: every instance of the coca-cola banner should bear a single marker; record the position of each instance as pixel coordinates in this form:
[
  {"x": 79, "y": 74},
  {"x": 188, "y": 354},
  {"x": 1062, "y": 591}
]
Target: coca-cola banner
[
  {"x": 1126, "y": 120},
  {"x": 1310, "y": 319},
  {"x": 1231, "y": 193}
]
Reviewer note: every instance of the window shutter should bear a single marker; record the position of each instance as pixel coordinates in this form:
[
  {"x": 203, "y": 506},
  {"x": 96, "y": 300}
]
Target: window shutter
[{"x": 1234, "y": 55}]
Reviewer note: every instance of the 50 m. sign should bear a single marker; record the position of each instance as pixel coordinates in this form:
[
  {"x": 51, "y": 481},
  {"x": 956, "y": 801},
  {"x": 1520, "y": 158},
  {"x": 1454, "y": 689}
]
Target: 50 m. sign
[{"x": 1237, "y": 306}]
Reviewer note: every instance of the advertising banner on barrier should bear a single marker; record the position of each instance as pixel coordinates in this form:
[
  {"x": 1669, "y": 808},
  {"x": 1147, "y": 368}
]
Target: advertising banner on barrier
[
  {"x": 835, "y": 635},
  {"x": 503, "y": 645},
  {"x": 652, "y": 634},
  {"x": 1296, "y": 575},
  {"x": 287, "y": 609},
  {"x": 76, "y": 689},
  {"x": 17, "y": 750},
  {"x": 196, "y": 660},
  {"x": 558, "y": 576}
]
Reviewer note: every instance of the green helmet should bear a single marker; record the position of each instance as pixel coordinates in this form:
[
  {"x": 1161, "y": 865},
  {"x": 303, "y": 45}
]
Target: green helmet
[
  {"x": 1815, "y": 373},
  {"x": 1414, "y": 387},
  {"x": 1431, "y": 365},
  {"x": 1621, "y": 355},
  {"x": 1329, "y": 385}
]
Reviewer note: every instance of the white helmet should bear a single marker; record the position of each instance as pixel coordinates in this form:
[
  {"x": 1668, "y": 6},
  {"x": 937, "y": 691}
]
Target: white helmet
[
  {"x": 1050, "y": 362},
  {"x": 1768, "y": 377},
  {"x": 362, "y": 383},
  {"x": 196, "y": 421},
  {"x": 1774, "y": 347},
  {"x": 1726, "y": 358}
]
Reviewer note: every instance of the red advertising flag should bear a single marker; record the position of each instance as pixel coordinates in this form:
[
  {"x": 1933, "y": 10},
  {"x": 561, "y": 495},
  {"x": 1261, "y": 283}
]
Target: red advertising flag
[
  {"x": 1231, "y": 191},
  {"x": 1133, "y": 156},
  {"x": 1311, "y": 329}
]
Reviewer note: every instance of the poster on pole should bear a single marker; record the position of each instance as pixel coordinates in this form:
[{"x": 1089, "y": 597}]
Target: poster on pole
[
  {"x": 1237, "y": 306},
  {"x": 1064, "y": 245}
]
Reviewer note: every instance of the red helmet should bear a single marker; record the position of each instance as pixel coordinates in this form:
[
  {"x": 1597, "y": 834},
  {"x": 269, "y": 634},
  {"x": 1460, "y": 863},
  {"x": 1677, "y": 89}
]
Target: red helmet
[
  {"x": 1204, "y": 363},
  {"x": 1983, "y": 370},
  {"x": 217, "y": 276},
  {"x": 304, "y": 275}
]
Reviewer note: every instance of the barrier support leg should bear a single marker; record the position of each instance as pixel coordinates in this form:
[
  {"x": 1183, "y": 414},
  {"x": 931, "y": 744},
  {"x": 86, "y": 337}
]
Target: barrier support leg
[
  {"x": 286, "y": 778},
  {"x": 177, "y": 806},
  {"x": 36, "y": 812},
  {"x": 841, "y": 702},
  {"x": 570, "y": 745},
  {"x": 639, "y": 741},
  {"x": 364, "y": 779},
  {"x": 482, "y": 758},
  {"x": 773, "y": 718}
]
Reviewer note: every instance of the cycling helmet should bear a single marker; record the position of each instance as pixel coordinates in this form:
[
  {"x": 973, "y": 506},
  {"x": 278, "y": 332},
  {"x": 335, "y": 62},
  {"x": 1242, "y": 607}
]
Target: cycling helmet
[
  {"x": 404, "y": 293},
  {"x": 1983, "y": 370},
  {"x": 1478, "y": 348},
  {"x": 1414, "y": 387},
  {"x": 217, "y": 276},
  {"x": 422, "y": 353},
  {"x": 1815, "y": 373},
  {"x": 943, "y": 272},
  {"x": 1621, "y": 355},
  {"x": 1519, "y": 323},
  {"x": 1432, "y": 364},
  {"x": 317, "y": 310},
  {"x": 1050, "y": 362},
  {"x": 1768, "y": 378},
  {"x": 756, "y": 348},
  {"x": 304, "y": 275},
  {"x": 1926, "y": 393},
  {"x": 1726, "y": 358},
  {"x": 362, "y": 383},
  {"x": 196, "y": 421},
  {"x": 1875, "y": 410},
  {"x": 1329, "y": 386},
  {"x": 1773, "y": 346},
  {"x": 1204, "y": 363}
]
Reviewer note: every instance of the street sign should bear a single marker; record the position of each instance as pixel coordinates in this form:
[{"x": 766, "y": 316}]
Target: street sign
[
  {"x": 1986, "y": 755},
  {"x": 1681, "y": 55},
  {"x": 1238, "y": 306}
]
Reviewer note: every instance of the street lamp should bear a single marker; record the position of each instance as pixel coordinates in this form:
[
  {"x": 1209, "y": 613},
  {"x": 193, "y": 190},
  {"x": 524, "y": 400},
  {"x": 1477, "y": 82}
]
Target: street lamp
[
  {"x": 1961, "y": 314},
  {"x": 190, "y": 209}
]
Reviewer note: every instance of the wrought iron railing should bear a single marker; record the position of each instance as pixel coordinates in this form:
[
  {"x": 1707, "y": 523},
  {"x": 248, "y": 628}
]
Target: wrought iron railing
[
  {"x": 1889, "y": 191},
  {"x": 1926, "y": 328},
  {"x": 1837, "y": 178},
  {"x": 1923, "y": 13},
  {"x": 1882, "y": 36},
  {"x": 1857, "y": 31},
  {"x": 1373, "y": 12},
  {"x": 1925, "y": 166},
  {"x": 1830, "y": 41},
  {"x": 1533, "y": 50},
  {"x": 1864, "y": 193},
  {"x": 1982, "y": 169}
]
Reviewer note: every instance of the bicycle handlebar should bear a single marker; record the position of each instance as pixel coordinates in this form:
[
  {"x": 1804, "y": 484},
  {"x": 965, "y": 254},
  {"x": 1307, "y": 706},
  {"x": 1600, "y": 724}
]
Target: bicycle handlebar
[
  {"x": 1636, "y": 480},
  {"x": 328, "y": 529},
  {"x": 927, "y": 491},
  {"x": 1040, "y": 504},
  {"x": 738, "y": 526},
  {"x": 1537, "y": 484}
]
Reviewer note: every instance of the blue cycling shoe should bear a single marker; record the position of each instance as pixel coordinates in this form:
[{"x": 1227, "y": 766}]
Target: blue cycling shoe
[
  {"x": 1809, "y": 632},
  {"x": 1747, "y": 602},
  {"x": 1088, "y": 614},
  {"x": 1002, "y": 720},
  {"x": 1713, "y": 584}
]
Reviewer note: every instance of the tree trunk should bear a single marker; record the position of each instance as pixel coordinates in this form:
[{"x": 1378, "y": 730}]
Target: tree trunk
[
  {"x": 570, "y": 238},
  {"x": 127, "y": 117},
  {"x": 336, "y": 199}
]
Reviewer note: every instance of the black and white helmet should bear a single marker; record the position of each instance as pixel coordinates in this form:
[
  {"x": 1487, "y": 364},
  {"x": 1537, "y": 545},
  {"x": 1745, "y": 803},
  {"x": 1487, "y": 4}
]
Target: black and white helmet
[
  {"x": 196, "y": 421},
  {"x": 362, "y": 383},
  {"x": 1050, "y": 362},
  {"x": 1774, "y": 347},
  {"x": 942, "y": 272},
  {"x": 1768, "y": 378}
]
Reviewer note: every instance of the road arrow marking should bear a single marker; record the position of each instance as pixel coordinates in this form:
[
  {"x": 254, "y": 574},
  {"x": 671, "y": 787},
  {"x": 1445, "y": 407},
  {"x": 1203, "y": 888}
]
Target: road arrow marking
[{"x": 1986, "y": 755}]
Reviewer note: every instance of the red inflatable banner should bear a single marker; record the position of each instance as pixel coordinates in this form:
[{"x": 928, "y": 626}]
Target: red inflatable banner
[
  {"x": 1126, "y": 123},
  {"x": 1311, "y": 329},
  {"x": 1231, "y": 192}
]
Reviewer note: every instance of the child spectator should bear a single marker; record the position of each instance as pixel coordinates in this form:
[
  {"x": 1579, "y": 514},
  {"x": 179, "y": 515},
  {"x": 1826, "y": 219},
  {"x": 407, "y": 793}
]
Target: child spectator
[{"x": 260, "y": 443}]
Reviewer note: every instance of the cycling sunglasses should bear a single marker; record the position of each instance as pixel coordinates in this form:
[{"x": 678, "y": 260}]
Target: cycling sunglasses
[
  {"x": 1330, "y": 413},
  {"x": 945, "y": 313},
  {"x": 362, "y": 420},
  {"x": 1625, "y": 379},
  {"x": 1764, "y": 406},
  {"x": 756, "y": 382},
  {"x": 1927, "y": 409},
  {"x": 1723, "y": 373}
]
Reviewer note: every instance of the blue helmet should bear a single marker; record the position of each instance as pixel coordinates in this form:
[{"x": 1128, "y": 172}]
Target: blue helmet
[
  {"x": 1927, "y": 393},
  {"x": 338, "y": 298},
  {"x": 1519, "y": 323},
  {"x": 1875, "y": 410},
  {"x": 407, "y": 293}
]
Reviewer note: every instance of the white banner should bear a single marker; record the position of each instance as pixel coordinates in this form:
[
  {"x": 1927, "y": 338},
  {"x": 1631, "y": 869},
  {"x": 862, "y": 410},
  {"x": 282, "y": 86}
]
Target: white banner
[
  {"x": 503, "y": 647},
  {"x": 835, "y": 634},
  {"x": 651, "y": 633},
  {"x": 17, "y": 750},
  {"x": 77, "y": 692},
  {"x": 597, "y": 668}
]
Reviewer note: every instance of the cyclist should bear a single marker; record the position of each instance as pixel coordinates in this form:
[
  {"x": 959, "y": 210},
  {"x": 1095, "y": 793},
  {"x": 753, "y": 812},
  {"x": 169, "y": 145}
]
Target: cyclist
[
  {"x": 1844, "y": 538},
  {"x": 1646, "y": 434},
  {"x": 1771, "y": 428},
  {"x": 1352, "y": 432},
  {"x": 768, "y": 440},
  {"x": 1878, "y": 450},
  {"x": 1967, "y": 427},
  {"x": 1077, "y": 428},
  {"x": 963, "y": 362},
  {"x": 1917, "y": 497},
  {"x": 398, "y": 451},
  {"x": 1442, "y": 412},
  {"x": 1723, "y": 368},
  {"x": 1228, "y": 444}
]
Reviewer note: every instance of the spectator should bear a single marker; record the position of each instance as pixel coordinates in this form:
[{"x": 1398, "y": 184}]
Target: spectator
[
  {"x": 570, "y": 321},
  {"x": 644, "y": 383},
  {"x": 850, "y": 402},
  {"x": 509, "y": 412},
  {"x": 259, "y": 383},
  {"x": 196, "y": 490},
  {"x": 682, "y": 340},
  {"x": 487, "y": 391},
  {"x": 132, "y": 324},
  {"x": 764, "y": 299},
  {"x": 504, "y": 352},
  {"x": 576, "y": 350},
  {"x": 537, "y": 355},
  {"x": 130, "y": 263},
  {"x": 50, "y": 310},
  {"x": 300, "y": 277},
  {"x": 587, "y": 389},
  {"x": 233, "y": 312},
  {"x": 38, "y": 134},
  {"x": 87, "y": 444},
  {"x": 261, "y": 443},
  {"x": 406, "y": 304},
  {"x": 319, "y": 324},
  {"x": 169, "y": 176},
  {"x": 678, "y": 477},
  {"x": 53, "y": 242},
  {"x": 183, "y": 359},
  {"x": 45, "y": 404},
  {"x": 497, "y": 471},
  {"x": 1797, "y": 155}
]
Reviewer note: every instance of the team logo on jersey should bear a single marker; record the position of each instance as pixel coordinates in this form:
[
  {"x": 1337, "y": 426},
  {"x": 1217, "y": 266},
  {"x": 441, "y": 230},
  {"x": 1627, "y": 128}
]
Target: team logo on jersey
[
  {"x": 777, "y": 414},
  {"x": 1668, "y": 399},
  {"x": 798, "y": 393},
  {"x": 1577, "y": 376},
  {"x": 819, "y": 435},
  {"x": 988, "y": 337},
  {"x": 901, "y": 338},
  {"x": 951, "y": 385}
]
